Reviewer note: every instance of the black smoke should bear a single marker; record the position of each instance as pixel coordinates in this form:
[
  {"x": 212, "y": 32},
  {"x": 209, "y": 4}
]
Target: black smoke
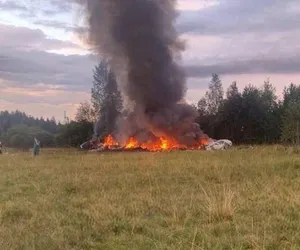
[{"x": 139, "y": 40}]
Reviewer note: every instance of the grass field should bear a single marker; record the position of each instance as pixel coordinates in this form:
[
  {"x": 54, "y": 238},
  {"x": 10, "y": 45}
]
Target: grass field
[{"x": 236, "y": 199}]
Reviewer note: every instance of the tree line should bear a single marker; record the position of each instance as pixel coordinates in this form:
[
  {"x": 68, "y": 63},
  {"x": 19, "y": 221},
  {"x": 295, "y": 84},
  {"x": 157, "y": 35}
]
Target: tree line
[
  {"x": 95, "y": 118},
  {"x": 18, "y": 130},
  {"x": 253, "y": 115}
]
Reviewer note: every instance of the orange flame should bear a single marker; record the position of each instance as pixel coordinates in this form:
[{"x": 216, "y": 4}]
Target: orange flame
[
  {"x": 164, "y": 144},
  {"x": 161, "y": 144},
  {"x": 132, "y": 143},
  {"x": 110, "y": 142}
]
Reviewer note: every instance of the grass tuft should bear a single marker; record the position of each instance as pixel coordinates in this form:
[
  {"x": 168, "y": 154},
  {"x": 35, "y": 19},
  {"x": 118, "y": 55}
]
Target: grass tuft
[{"x": 219, "y": 205}]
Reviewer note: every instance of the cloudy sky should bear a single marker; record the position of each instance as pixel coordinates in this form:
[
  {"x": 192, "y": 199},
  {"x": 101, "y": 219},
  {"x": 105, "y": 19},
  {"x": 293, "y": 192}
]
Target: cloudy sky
[{"x": 45, "y": 69}]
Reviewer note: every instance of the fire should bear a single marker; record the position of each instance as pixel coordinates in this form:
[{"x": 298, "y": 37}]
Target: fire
[
  {"x": 164, "y": 144},
  {"x": 110, "y": 142},
  {"x": 160, "y": 144},
  {"x": 132, "y": 143},
  {"x": 204, "y": 141}
]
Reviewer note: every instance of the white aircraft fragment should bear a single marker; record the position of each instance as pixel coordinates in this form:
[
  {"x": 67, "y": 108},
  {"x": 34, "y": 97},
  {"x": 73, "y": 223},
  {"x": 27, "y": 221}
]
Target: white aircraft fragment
[{"x": 218, "y": 145}]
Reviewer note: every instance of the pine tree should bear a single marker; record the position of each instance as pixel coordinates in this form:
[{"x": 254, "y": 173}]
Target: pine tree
[
  {"x": 291, "y": 123},
  {"x": 214, "y": 96},
  {"x": 232, "y": 90},
  {"x": 99, "y": 83},
  {"x": 106, "y": 99}
]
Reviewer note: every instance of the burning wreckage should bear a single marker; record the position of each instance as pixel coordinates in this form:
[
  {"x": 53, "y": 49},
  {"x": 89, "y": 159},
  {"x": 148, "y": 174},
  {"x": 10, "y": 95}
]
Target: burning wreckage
[
  {"x": 161, "y": 144},
  {"x": 138, "y": 40}
]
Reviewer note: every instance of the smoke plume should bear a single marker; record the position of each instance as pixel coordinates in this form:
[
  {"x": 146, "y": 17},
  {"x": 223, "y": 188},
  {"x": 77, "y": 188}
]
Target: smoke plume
[{"x": 139, "y": 40}]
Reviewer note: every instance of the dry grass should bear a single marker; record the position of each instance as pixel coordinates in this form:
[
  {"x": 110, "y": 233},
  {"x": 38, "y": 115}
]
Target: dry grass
[
  {"x": 219, "y": 204},
  {"x": 238, "y": 199}
]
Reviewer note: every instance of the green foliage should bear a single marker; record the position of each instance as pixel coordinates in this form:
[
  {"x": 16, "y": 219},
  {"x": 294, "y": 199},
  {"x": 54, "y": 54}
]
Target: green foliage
[
  {"x": 74, "y": 133},
  {"x": 10, "y": 119},
  {"x": 20, "y": 141},
  {"x": 214, "y": 95},
  {"x": 291, "y": 123},
  {"x": 209, "y": 106},
  {"x": 252, "y": 116},
  {"x": 106, "y": 99},
  {"x": 229, "y": 122},
  {"x": 85, "y": 113},
  {"x": 21, "y": 136},
  {"x": 98, "y": 90},
  {"x": 289, "y": 113},
  {"x": 291, "y": 94}
]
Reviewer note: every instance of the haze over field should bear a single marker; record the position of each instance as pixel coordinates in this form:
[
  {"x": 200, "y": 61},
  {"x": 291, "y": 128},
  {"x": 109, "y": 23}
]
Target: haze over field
[{"x": 246, "y": 41}]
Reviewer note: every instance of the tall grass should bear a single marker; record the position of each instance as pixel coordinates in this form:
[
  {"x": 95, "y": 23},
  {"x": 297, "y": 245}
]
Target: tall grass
[{"x": 235, "y": 199}]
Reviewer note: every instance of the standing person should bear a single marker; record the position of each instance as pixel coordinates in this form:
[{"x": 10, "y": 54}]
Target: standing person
[
  {"x": 36, "y": 147},
  {"x": 0, "y": 148}
]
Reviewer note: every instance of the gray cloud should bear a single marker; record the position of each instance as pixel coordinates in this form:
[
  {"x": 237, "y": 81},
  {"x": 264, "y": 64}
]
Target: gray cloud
[
  {"x": 9, "y": 5},
  {"x": 31, "y": 9},
  {"x": 23, "y": 60},
  {"x": 225, "y": 18},
  {"x": 22, "y": 9},
  {"x": 54, "y": 24},
  {"x": 247, "y": 37},
  {"x": 49, "y": 12},
  {"x": 241, "y": 16},
  {"x": 26, "y": 39},
  {"x": 60, "y": 25},
  {"x": 266, "y": 66},
  {"x": 62, "y": 6},
  {"x": 52, "y": 7},
  {"x": 33, "y": 67}
]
